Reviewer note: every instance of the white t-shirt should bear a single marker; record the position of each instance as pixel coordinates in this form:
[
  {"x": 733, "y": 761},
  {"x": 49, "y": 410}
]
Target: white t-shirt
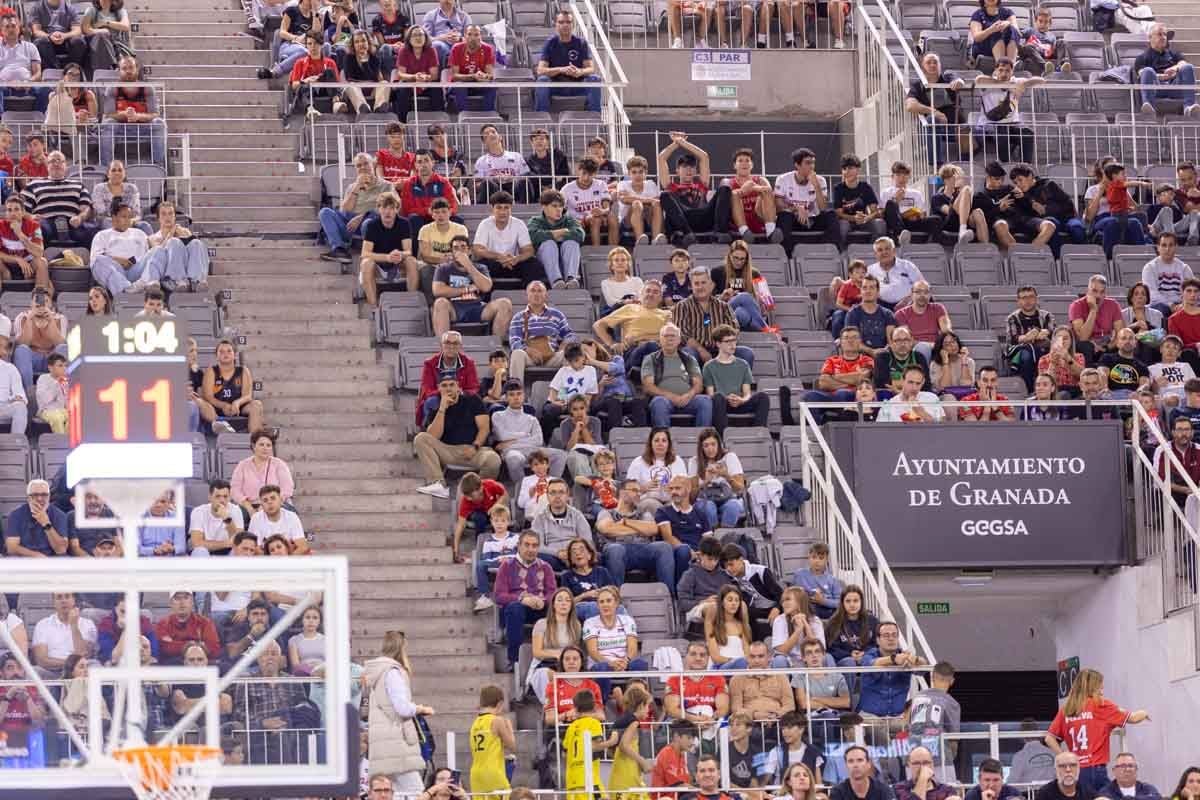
[
  {"x": 779, "y": 635},
  {"x": 580, "y": 202},
  {"x": 787, "y": 188},
  {"x": 233, "y": 601},
  {"x": 288, "y": 525},
  {"x": 507, "y": 241},
  {"x": 569, "y": 382},
  {"x": 658, "y": 473},
  {"x": 610, "y": 642},
  {"x": 131, "y": 243},
  {"x": 1170, "y": 378},
  {"x": 615, "y": 291},
  {"x": 56, "y": 635},
  {"x": 913, "y": 198},
  {"x": 507, "y": 164},
  {"x": 897, "y": 409},
  {"x": 213, "y": 528},
  {"x": 649, "y": 192},
  {"x": 12, "y": 622},
  {"x": 896, "y": 283},
  {"x": 732, "y": 464}
]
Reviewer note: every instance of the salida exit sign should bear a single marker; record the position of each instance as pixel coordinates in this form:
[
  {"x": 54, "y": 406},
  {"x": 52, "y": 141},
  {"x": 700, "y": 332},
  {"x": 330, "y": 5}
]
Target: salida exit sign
[{"x": 933, "y": 608}]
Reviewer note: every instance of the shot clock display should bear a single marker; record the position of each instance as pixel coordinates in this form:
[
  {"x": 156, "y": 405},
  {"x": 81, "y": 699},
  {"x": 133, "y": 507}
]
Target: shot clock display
[{"x": 127, "y": 399}]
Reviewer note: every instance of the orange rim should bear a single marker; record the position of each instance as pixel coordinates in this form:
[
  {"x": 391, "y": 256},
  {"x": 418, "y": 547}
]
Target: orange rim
[{"x": 156, "y": 763}]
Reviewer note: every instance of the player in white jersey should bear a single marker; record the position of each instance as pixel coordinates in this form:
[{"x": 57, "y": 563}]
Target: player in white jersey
[
  {"x": 499, "y": 169},
  {"x": 802, "y": 197},
  {"x": 589, "y": 200},
  {"x": 638, "y": 203}
]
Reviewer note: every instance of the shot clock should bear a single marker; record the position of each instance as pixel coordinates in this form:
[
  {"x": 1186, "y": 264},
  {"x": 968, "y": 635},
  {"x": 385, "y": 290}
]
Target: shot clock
[{"x": 127, "y": 399}]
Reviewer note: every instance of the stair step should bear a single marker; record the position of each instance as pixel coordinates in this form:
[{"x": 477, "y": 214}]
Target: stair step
[
  {"x": 222, "y": 139},
  {"x": 239, "y": 169},
  {"x": 192, "y": 16},
  {"x": 428, "y": 645},
  {"x": 228, "y": 22},
  {"x": 405, "y": 555},
  {"x": 355, "y": 470},
  {"x": 316, "y": 453},
  {"x": 247, "y": 281},
  {"x": 292, "y": 199},
  {"x": 243, "y": 209},
  {"x": 242, "y": 228},
  {"x": 271, "y": 264},
  {"x": 416, "y": 627},
  {"x": 343, "y": 311},
  {"x": 406, "y": 590},
  {"x": 318, "y": 327},
  {"x": 331, "y": 358},
  {"x": 378, "y": 514},
  {"x": 306, "y": 341},
  {"x": 338, "y": 391},
  {"x": 341, "y": 541},
  {"x": 390, "y": 609},
  {"x": 227, "y": 124},
  {"x": 430, "y": 574},
  {"x": 154, "y": 40},
  {"x": 377, "y": 373},
  {"x": 209, "y": 56},
  {"x": 300, "y": 182},
  {"x": 276, "y": 153},
  {"x": 314, "y": 493}
]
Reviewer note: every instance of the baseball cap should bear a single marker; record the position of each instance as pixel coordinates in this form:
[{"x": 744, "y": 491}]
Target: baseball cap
[
  {"x": 1170, "y": 337},
  {"x": 181, "y": 591},
  {"x": 448, "y": 375}
]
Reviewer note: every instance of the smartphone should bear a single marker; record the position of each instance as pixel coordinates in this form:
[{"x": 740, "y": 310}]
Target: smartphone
[
  {"x": 456, "y": 777},
  {"x": 39, "y": 297}
]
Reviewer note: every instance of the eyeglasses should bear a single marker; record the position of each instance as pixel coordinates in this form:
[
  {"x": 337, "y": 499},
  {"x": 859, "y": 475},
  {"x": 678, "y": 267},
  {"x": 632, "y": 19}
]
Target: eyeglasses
[
  {"x": 39, "y": 494},
  {"x": 1125, "y": 766}
]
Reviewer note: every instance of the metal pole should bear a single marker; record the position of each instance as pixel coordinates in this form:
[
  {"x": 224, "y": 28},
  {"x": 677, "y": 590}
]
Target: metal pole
[
  {"x": 723, "y": 744},
  {"x": 589, "y": 778},
  {"x": 451, "y": 753},
  {"x": 131, "y": 655}
]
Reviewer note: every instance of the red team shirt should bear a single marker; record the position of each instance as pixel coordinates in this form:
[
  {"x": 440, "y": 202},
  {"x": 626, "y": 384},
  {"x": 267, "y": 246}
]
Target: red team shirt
[
  {"x": 396, "y": 168},
  {"x": 1086, "y": 735},
  {"x": 698, "y": 691},
  {"x": 469, "y": 63},
  {"x": 492, "y": 491},
  {"x": 561, "y": 694},
  {"x": 753, "y": 222}
]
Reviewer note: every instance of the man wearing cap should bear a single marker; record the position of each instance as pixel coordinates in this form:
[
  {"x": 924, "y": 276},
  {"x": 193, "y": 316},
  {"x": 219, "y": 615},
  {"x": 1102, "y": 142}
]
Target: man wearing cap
[
  {"x": 518, "y": 435},
  {"x": 183, "y": 626},
  {"x": 62, "y": 634},
  {"x": 37, "y": 529},
  {"x": 455, "y": 435},
  {"x": 450, "y": 358}
]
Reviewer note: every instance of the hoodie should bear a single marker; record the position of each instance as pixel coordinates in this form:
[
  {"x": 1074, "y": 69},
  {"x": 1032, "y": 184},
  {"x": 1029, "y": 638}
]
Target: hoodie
[
  {"x": 698, "y": 583},
  {"x": 540, "y": 228},
  {"x": 1045, "y": 191}
]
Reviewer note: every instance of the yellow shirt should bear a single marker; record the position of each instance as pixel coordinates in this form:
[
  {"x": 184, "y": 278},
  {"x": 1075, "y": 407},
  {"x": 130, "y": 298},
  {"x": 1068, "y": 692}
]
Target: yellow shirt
[
  {"x": 439, "y": 241},
  {"x": 573, "y": 743},
  {"x": 487, "y": 757},
  {"x": 638, "y": 324}
]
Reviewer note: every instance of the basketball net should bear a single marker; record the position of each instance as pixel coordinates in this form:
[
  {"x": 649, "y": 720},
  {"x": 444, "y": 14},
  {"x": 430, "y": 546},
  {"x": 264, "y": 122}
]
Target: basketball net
[{"x": 169, "y": 772}]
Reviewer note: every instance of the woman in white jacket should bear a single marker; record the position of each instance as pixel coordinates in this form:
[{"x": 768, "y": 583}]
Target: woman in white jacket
[
  {"x": 121, "y": 258},
  {"x": 394, "y": 743}
]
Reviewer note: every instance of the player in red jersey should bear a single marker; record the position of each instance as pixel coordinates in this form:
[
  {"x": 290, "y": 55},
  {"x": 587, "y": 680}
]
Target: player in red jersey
[{"x": 1084, "y": 724}]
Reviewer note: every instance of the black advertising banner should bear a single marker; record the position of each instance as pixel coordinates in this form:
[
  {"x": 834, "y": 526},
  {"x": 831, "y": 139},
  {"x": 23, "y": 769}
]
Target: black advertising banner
[{"x": 991, "y": 494}]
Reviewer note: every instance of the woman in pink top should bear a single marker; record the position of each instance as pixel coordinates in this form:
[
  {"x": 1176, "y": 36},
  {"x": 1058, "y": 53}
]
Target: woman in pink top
[{"x": 259, "y": 470}]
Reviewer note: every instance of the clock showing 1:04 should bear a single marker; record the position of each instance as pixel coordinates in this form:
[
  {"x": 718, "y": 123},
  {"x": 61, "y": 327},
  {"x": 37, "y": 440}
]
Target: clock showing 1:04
[{"x": 144, "y": 337}]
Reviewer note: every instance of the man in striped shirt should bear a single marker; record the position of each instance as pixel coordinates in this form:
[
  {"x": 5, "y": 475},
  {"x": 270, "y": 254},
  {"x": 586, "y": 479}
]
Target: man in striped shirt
[
  {"x": 62, "y": 206},
  {"x": 699, "y": 315}
]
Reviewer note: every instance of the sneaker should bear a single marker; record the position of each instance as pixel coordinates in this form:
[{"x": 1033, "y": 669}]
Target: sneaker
[
  {"x": 483, "y": 604},
  {"x": 558, "y": 284},
  {"x": 776, "y": 236},
  {"x": 1148, "y": 109},
  {"x": 702, "y": 44},
  {"x": 364, "y": 109},
  {"x": 137, "y": 286},
  {"x": 676, "y": 43},
  {"x": 1048, "y": 69},
  {"x": 1192, "y": 111},
  {"x": 436, "y": 489},
  {"x": 966, "y": 236},
  {"x": 905, "y": 238},
  {"x": 839, "y": 44},
  {"x": 221, "y": 426},
  {"x": 748, "y": 236},
  {"x": 264, "y": 73},
  {"x": 199, "y": 286},
  {"x": 641, "y": 240},
  {"x": 332, "y": 255},
  {"x": 571, "y": 283},
  {"x": 660, "y": 239},
  {"x": 169, "y": 285}
]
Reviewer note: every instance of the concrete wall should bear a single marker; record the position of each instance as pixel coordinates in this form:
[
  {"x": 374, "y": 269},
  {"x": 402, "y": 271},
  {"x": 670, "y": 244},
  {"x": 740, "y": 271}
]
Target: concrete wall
[{"x": 801, "y": 83}]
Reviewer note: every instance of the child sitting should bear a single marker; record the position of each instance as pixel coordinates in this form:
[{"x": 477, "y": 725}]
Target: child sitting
[
  {"x": 532, "y": 497},
  {"x": 848, "y": 293},
  {"x": 1038, "y": 47},
  {"x": 677, "y": 285},
  {"x": 580, "y": 435},
  {"x": 501, "y": 544},
  {"x": 601, "y": 482}
]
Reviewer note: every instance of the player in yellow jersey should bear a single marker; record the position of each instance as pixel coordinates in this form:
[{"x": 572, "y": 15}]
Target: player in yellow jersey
[
  {"x": 628, "y": 764},
  {"x": 491, "y": 737},
  {"x": 589, "y": 727}
]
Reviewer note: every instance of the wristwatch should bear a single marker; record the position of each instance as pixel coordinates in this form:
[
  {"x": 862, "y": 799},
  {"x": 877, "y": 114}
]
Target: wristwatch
[
  {"x": 48, "y": 526},
  {"x": 227, "y": 520}
]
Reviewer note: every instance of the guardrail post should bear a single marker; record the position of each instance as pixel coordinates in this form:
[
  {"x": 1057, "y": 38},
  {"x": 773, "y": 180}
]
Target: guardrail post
[
  {"x": 589, "y": 778},
  {"x": 451, "y": 753}
]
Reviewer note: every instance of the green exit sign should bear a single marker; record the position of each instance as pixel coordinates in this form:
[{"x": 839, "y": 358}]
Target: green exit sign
[{"x": 933, "y": 608}]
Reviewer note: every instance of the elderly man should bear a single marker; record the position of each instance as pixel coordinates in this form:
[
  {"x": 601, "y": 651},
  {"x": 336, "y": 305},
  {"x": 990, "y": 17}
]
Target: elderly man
[
  {"x": 1066, "y": 784},
  {"x": 912, "y": 404},
  {"x": 896, "y": 276},
  {"x": 891, "y": 363},
  {"x": 183, "y": 626},
  {"x": 340, "y": 225},
  {"x": 558, "y": 524},
  {"x": 1095, "y": 318},
  {"x": 449, "y": 359},
  {"x": 36, "y": 529},
  {"x": 62, "y": 205},
  {"x": 1161, "y": 66},
  {"x": 268, "y": 706},
  {"x": 765, "y": 697},
  {"x": 19, "y": 62},
  {"x": 455, "y": 435},
  {"x": 1125, "y": 781},
  {"x": 672, "y": 381},
  {"x": 921, "y": 783},
  {"x": 637, "y": 323},
  {"x": 523, "y": 588},
  {"x": 632, "y": 540},
  {"x": 62, "y": 634},
  {"x": 925, "y": 319},
  {"x": 537, "y": 333},
  {"x": 566, "y": 57},
  {"x": 938, "y": 108},
  {"x": 699, "y": 315},
  {"x": 446, "y": 25}
]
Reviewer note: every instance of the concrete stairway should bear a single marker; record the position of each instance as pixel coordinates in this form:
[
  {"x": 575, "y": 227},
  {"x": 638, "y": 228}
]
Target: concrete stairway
[
  {"x": 1180, "y": 17},
  {"x": 323, "y": 383}
]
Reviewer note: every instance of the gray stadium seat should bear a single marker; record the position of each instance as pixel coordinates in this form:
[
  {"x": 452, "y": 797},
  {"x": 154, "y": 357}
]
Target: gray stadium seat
[
  {"x": 978, "y": 265},
  {"x": 651, "y": 607},
  {"x": 400, "y": 316},
  {"x": 931, "y": 260},
  {"x": 52, "y": 454},
  {"x": 627, "y": 444},
  {"x": 1128, "y": 261},
  {"x": 916, "y": 15},
  {"x": 1141, "y": 141},
  {"x": 1091, "y": 137},
  {"x": 754, "y": 449},
  {"x": 1032, "y": 266},
  {"x": 960, "y": 307},
  {"x": 808, "y": 355},
  {"x": 817, "y": 264},
  {"x": 793, "y": 309},
  {"x": 1126, "y": 47},
  {"x": 996, "y": 310},
  {"x": 1086, "y": 51},
  {"x": 231, "y": 448},
  {"x": 1080, "y": 262},
  {"x": 769, "y": 357}
]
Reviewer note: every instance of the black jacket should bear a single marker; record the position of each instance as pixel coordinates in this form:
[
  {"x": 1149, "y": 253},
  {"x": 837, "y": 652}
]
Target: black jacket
[{"x": 1057, "y": 202}]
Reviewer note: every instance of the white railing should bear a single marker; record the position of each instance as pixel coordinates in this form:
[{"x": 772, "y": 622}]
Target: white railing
[
  {"x": 882, "y": 126},
  {"x": 691, "y": 24},
  {"x": 854, "y": 554}
]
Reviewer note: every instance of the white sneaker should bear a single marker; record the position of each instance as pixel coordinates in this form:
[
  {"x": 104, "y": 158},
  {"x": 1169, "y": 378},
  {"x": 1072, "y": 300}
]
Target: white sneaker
[
  {"x": 1192, "y": 111},
  {"x": 483, "y": 604},
  {"x": 221, "y": 426},
  {"x": 436, "y": 489},
  {"x": 676, "y": 43},
  {"x": 839, "y": 44},
  {"x": 702, "y": 44},
  {"x": 643, "y": 239},
  {"x": 660, "y": 239},
  {"x": 905, "y": 237},
  {"x": 1148, "y": 108},
  {"x": 571, "y": 283},
  {"x": 966, "y": 236}
]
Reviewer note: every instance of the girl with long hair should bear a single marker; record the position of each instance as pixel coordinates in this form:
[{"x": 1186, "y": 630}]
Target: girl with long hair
[
  {"x": 712, "y": 465},
  {"x": 727, "y": 631},
  {"x": 793, "y": 627},
  {"x": 851, "y": 630},
  {"x": 734, "y": 283},
  {"x": 552, "y": 634},
  {"x": 1083, "y": 726},
  {"x": 391, "y": 721}
]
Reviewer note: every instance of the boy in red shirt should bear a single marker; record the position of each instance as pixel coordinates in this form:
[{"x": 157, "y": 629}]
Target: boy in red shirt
[
  {"x": 753, "y": 199},
  {"x": 848, "y": 293},
  {"x": 1185, "y": 323},
  {"x": 33, "y": 163},
  {"x": 21, "y": 248},
  {"x": 314, "y": 68},
  {"x": 670, "y": 766},
  {"x": 476, "y": 497},
  {"x": 394, "y": 163}
]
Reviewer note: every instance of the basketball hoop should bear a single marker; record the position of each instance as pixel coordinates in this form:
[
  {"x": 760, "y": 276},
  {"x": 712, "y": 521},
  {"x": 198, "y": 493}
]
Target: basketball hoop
[{"x": 169, "y": 772}]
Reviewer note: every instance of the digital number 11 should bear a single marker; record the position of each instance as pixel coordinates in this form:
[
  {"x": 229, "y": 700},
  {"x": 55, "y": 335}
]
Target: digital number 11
[{"x": 158, "y": 395}]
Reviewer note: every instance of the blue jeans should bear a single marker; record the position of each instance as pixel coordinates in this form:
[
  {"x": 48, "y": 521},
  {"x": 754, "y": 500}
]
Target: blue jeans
[
  {"x": 559, "y": 259},
  {"x": 1025, "y": 363},
  {"x": 635, "y": 665},
  {"x": 289, "y": 54},
  {"x": 668, "y": 563},
  {"x": 28, "y": 362},
  {"x": 131, "y": 135},
  {"x": 1152, "y": 90},
  {"x": 1109, "y": 229},
  {"x": 541, "y": 96},
  {"x": 334, "y": 223},
  {"x": 699, "y": 407},
  {"x": 193, "y": 417},
  {"x": 733, "y": 663},
  {"x": 815, "y": 396},
  {"x": 186, "y": 261},
  {"x": 117, "y": 279},
  {"x": 481, "y": 573},
  {"x": 461, "y": 95},
  {"x": 443, "y": 51},
  {"x": 514, "y": 617},
  {"x": 749, "y": 315},
  {"x": 1094, "y": 777},
  {"x": 728, "y": 513}
]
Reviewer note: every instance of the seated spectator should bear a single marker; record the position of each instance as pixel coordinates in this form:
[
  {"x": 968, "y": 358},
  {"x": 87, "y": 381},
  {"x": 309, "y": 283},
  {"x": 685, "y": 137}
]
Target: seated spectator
[
  {"x": 523, "y": 590},
  {"x": 802, "y": 199},
  {"x": 991, "y": 784},
  {"x": 110, "y": 633},
  {"x": 823, "y": 693},
  {"x": 559, "y": 692},
  {"x": 1123, "y": 371},
  {"x": 306, "y": 650},
  {"x": 744, "y": 757},
  {"x": 559, "y": 525},
  {"x": 961, "y": 210},
  {"x": 1002, "y": 128},
  {"x": 951, "y": 368},
  {"x": 700, "y": 583},
  {"x": 939, "y": 107},
  {"x": 229, "y": 388},
  {"x": 1063, "y": 363},
  {"x": 670, "y": 765},
  {"x": 550, "y": 165},
  {"x": 856, "y": 207},
  {"x": 1045, "y": 392},
  {"x": 62, "y": 205},
  {"x": 922, "y": 779},
  {"x": 611, "y": 639},
  {"x": 701, "y": 701},
  {"x": 584, "y": 577},
  {"x": 851, "y": 631},
  {"x": 874, "y": 321},
  {"x": 1099, "y": 213},
  {"x": 985, "y": 391},
  {"x": 1092, "y": 387},
  {"x": 699, "y": 315},
  {"x": 728, "y": 381},
  {"x": 686, "y": 207},
  {"x": 261, "y": 468},
  {"x": 472, "y": 61},
  {"x": 37, "y": 332},
  {"x": 631, "y": 539},
  {"x": 417, "y": 62},
  {"x": 15, "y": 627},
  {"x": 589, "y": 201},
  {"x": 57, "y": 33},
  {"x": 912, "y": 403},
  {"x": 213, "y": 525},
  {"x": 752, "y": 205},
  {"x": 1066, "y": 784},
  {"x": 296, "y": 22},
  {"x": 156, "y": 539},
  {"x": 273, "y": 519},
  {"x": 117, "y": 188},
  {"x": 727, "y": 631},
  {"x": 1028, "y": 339},
  {"x": 187, "y": 256},
  {"x": 600, "y": 480},
  {"x": 994, "y": 32},
  {"x": 1167, "y": 211},
  {"x": 134, "y": 118},
  {"x": 1185, "y": 323},
  {"x": 1165, "y": 274},
  {"x": 538, "y": 334},
  {"x": 556, "y": 643},
  {"x": 1038, "y": 47},
  {"x": 792, "y": 753},
  {"x": 121, "y": 259},
  {"x": 1186, "y": 452},
  {"x": 361, "y": 64},
  {"x": 183, "y": 627},
  {"x": 449, "y": 359},
  {"x": 718, "y": 480},
  {"x": 518, "y": 435},
  {"x": 22, "y": 62},
  {"x": 1043, "y": 209},
  {"x": 386, "y": 250},
  {"x": 503, "y": 246},
  {"x": 23, "y": 253},
  {"x": 823, "y": 588},
  {"x": 638, "y": 205},
  {"x": 269, "y": 707},
  {"x": 580, "y": 435},
  {"x": 455, "y": 434},
  {"x": 671, "y": 380},
  {"x": 420, "y": 191},
  {"x": 891, "y": 364},
  {"x": 839, "y": 376},
  {"x": 499, "y": 169},
  {"x": 1169, "y": 376},
  {"x": 766, "y": 697},
  {"x": 445, "y": 25},
  {"x": 25, "y": 713},
  {"x": 575, "y": 378},
  {"x": 904, "y": 209},
  {"x": 51, "y": 393},
  {"x": 926, "y": 320},
  {"x": 760, "y": 590},
  {"x": 1096, "y": 319},
  {"x": 435, "y": 240},
  {"x": 394, "y": 163},
  {"x": 623, "y": 287},
  {"x": 566, "y": 58},
  {"x": 1160, "y": 65},
  {"x": 359, "y": 202},
  {"x": 899, "y": 275},
  {"x": 61, "y": 635},
  {"x": 499, "y": 544},
  {"x": 884, "y": 692},
  {"x": 463, "y": 290},
  {"x": 637, "y": 323},
  {"x": 37, "y": 528},
  {"x": 239, "y": 635},
  {"x": 655, "y": 467},
  {"x": 1125, "y": 781},
  {"x": 741, "y": 286},
  {"x": 557, "y": 237}
]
